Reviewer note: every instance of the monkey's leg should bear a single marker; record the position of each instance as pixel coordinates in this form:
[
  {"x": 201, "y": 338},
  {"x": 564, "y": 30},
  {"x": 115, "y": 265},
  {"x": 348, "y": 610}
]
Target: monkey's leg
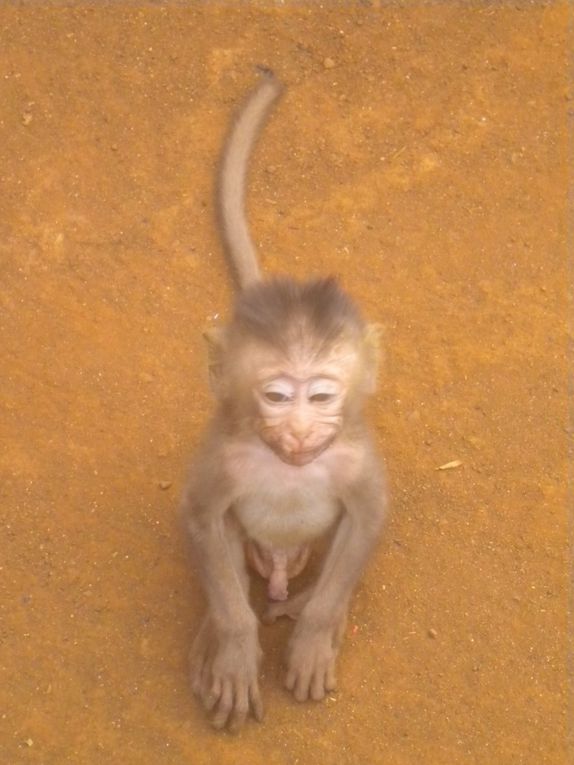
[{"x": 316, "y": 639}]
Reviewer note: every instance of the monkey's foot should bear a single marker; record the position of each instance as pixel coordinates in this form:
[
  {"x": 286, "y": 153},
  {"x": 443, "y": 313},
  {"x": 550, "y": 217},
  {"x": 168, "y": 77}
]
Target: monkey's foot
[
  {"x": 291, "y": 608},
  {"x": 311, "y": 664},
  {"x": 224, "y": 676}
]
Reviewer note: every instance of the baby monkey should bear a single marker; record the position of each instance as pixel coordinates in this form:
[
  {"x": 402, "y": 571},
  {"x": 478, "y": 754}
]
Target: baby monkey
[{"x": 287, "y": 459}]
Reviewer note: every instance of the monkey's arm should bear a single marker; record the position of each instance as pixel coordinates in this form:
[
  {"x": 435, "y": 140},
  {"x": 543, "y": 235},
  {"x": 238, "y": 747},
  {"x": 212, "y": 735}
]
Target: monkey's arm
[
  {"x": 317, "y": 635},
  {"x": 225, "y": 656},
  {"x": 220, "y": 568}
]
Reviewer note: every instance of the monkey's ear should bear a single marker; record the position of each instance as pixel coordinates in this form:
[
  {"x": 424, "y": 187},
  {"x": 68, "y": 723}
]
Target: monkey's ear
[
  {"x": 216, "y": 339},
  {"x": 372, "y": 350}
]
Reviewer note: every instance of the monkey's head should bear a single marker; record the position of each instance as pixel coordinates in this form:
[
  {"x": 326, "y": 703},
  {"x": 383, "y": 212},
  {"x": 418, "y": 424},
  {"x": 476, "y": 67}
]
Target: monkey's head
[{"x": 294, "y": 365}]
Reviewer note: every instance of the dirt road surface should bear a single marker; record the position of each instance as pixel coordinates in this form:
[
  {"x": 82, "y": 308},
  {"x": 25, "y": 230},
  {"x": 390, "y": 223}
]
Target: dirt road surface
[{"x": 420, "y": 154}]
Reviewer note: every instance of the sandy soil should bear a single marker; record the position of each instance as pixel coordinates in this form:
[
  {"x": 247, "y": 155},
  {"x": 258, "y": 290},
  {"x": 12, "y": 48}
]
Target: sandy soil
[{"x": 420, "y": 154}]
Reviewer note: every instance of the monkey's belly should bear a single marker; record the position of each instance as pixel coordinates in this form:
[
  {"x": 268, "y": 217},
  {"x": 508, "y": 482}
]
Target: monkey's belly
[{"x": 291, "y": 520}]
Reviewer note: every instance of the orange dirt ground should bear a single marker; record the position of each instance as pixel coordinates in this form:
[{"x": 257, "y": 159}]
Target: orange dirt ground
[{"x": 420, "y": 154}]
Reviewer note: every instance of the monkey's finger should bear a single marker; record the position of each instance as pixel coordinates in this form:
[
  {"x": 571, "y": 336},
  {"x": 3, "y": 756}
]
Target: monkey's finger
[
  {"x": 206, "y": 683},
  {"x": 298, "y": 682},
  {"x": 290, "y": 680},
  {"x": 256, "y": 702},
  {"x": 331, "y": 679},
  {"x": 211, "y": 697},
  {"x": 301, "y": 691},
  {"x": 199, "y": 673},
  {"x": 318, "y": 685},
  {"x": 225, "y": 705},
  {"x": 240, "y": 709}
]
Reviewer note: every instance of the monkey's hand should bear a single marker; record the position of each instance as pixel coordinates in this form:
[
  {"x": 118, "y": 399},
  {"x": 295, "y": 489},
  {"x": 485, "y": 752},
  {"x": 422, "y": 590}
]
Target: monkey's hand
[
  {"x": 224, "y": 674},
  {"x": 311, "y": 662}
]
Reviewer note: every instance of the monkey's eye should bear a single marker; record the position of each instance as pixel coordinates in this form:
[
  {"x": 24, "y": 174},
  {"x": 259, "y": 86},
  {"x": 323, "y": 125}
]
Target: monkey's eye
[
  {"x": 322, "y": 391},
  {"x": 275, "y": 397},
  {"x": 321, "y": 398},
  {"x": 278, "y": 392}
]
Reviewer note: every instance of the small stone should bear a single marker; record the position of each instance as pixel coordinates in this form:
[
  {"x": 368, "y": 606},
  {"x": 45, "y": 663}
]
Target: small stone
[
  {"x": 432, "y": 633},
  {"x": 26, "y": 118},
  {"x": 163, "y": 485},
  {"x": 328, "y": 63},
  {"x": 450, "y": 465}
]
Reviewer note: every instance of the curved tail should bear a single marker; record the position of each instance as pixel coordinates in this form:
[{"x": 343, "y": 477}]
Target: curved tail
[{"x": 233, "y": 175}]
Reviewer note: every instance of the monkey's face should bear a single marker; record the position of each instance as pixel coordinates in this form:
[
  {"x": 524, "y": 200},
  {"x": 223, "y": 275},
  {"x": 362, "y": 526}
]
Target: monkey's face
[
  {"x": 299, "y": 404},
  {"x": 299, "y": 418}
]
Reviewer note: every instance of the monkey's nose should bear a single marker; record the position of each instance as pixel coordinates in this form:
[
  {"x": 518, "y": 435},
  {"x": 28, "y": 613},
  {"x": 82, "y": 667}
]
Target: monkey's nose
[
  {"x": 299, "y": 432},
  {"x": 297, "y": 441}
]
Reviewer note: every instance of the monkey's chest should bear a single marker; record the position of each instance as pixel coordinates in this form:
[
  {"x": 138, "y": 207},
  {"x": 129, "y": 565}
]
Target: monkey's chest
[{"x": 280, "y": 519}]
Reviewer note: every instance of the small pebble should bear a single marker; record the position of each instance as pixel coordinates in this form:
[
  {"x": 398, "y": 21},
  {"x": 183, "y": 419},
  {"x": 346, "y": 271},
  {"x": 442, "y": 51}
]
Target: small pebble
[
  {"x": 328, "y": 63},
  {"x": 450, "y": 465},
  {"x": 432, "y": 633},
  {"x": 163, "y": 485}
]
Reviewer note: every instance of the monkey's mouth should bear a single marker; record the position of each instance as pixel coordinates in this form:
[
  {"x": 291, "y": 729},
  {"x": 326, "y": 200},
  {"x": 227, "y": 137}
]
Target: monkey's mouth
[{"x": 303, "y": 457}]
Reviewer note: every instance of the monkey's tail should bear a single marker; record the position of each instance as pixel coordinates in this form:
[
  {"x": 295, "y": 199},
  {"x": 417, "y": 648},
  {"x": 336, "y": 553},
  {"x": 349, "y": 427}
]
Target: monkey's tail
[{"x": 233, "y": 174}]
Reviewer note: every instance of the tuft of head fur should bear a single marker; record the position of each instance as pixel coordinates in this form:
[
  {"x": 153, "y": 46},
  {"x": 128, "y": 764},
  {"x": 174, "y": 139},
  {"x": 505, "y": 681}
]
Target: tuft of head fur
[
  {"x": 281, "y": 322},
  {"x": 276, "y": 310}
]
